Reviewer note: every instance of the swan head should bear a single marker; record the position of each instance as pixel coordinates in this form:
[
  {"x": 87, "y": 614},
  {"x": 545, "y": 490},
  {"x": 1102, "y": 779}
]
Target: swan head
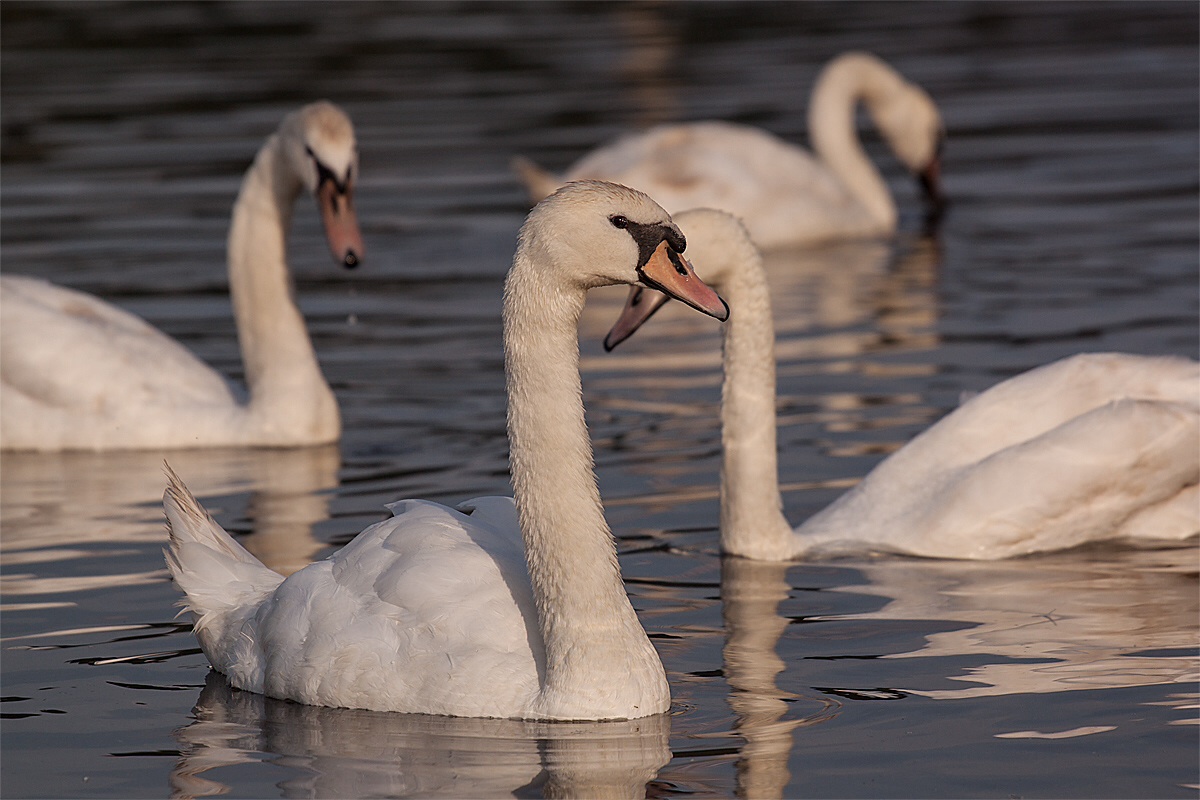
[
  {"x": 595, "y": 233},
  {"x": 720, "y": 244},
  {"x": 912, "y": 125},
  {"x": 319, "y": 145}
]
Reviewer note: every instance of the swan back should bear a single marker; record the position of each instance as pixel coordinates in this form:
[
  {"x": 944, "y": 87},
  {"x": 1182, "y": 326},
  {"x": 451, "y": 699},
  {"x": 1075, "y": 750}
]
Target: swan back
[
  {"x": 784, "y": 195},
  {"x": 1088, "y": 448}
]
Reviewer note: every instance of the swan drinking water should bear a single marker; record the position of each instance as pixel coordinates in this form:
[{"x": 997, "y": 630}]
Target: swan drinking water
[
  {"x": 1092, "y": 447},
  {"x": 784, "y": 194},
  {"x": 439, "y": 610},
  {"x": 80, "y": 374}
]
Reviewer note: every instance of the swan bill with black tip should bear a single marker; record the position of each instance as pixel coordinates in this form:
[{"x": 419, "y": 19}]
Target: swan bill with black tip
[
  {"x": 669, "y": 272},
  {"x": 336, "y": 203}
]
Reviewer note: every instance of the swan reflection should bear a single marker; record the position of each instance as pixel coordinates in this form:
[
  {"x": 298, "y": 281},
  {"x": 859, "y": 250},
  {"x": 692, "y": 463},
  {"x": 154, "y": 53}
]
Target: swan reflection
[
  {"x": 751, "y": 592},
  {"x": 1089, "y": 619},
  {"x": 59, "y": 507},
  {"x": 1102, "y": 618},
  {"x": 336, "y": 752}
]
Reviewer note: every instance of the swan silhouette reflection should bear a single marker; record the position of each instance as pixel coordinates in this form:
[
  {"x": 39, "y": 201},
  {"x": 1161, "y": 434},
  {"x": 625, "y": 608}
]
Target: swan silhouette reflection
[{"x": 338, "y": 752}]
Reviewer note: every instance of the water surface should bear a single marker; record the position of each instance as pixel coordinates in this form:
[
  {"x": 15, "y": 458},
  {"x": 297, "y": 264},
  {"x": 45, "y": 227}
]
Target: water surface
[{"x": 1071, "y": 165}]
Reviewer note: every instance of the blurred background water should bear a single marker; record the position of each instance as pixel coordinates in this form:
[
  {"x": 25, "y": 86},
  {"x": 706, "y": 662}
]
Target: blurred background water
[{"x": 1071, "y": 165}]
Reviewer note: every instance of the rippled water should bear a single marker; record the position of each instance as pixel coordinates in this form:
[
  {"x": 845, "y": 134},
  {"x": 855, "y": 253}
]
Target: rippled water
[{"x": 1072, "y": 167}]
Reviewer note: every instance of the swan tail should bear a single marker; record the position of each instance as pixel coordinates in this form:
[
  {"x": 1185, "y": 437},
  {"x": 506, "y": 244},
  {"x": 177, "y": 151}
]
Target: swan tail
[
  {"x": 539, "y": 183},
  {"x": 220, "y": 579}
]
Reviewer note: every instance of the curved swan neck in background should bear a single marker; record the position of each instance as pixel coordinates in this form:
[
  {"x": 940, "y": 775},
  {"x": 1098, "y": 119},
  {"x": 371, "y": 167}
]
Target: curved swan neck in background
[
  {"x": 282, "y": 373},
  {"x": 595, "y": 645},
  {"x": 752, "y": 521},
  {"x": 834, "y": 135}
]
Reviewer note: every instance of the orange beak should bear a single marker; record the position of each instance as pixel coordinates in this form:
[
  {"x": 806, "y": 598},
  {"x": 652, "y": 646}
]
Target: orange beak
[
  {"x": 341, "y": 223},
  {"x": 670, "y": 273}
]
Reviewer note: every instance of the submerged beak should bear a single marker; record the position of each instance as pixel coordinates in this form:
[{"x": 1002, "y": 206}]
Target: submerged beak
[
  {"x": 639, "y": 307},
  {"x": 930, "y": 179},
  {"x": 670, "y": 273},
  {"x": 341, "y": 225}
]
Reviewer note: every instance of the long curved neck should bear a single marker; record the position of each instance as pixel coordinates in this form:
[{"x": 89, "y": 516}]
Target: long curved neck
[
  {"x": 592, "y": 635},
  {"x": 834, "y": 135},
  {"x": 286, "y": 386},
  {"x": 752, "y": 521}
]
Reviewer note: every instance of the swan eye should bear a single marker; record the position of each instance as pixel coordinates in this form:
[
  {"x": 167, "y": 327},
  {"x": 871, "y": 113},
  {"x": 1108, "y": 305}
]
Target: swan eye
[{"x": 619, "y": 221}]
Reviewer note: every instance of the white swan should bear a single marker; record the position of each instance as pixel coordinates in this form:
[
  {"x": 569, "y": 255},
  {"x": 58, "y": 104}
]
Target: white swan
[
  {"x": 1092, "y": 447},
  {"x": 784, "y": 194},
  {"x": 437, "y": 610},
  {"x": 79, "y": 374}
]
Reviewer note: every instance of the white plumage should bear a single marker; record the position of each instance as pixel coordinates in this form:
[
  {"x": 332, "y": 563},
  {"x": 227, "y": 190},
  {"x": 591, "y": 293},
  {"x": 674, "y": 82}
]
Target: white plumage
[
  {"x": 784, "y": 194},
  {"x": 468, "y": 612},
  {"x": 1092, "y": 447},
  {"x": 80, "y": 374}
]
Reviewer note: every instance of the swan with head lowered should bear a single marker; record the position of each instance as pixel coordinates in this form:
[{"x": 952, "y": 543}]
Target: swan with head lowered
[
  {"x": 785, "y": 194},
  {"x": 1092, "y": 447},
  {"x": 497, "y": 608},
  {"x": 80, "y": 374}
]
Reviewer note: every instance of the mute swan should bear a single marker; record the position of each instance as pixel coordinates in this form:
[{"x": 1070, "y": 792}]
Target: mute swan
[
  {"x": 1092, "y": 447},
  {"x": 80, "y": 374},
  {"x": 436, "y": 610},
  {"x": 784, "y": 194}
]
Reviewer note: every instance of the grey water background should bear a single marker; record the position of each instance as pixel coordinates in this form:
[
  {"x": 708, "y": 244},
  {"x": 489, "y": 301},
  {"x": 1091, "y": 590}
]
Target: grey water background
[{"x": 1071, "y": 164}]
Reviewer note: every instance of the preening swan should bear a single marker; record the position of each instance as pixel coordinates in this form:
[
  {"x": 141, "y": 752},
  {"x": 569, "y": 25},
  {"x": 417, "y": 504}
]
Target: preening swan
[
  {"x": 79, "y": 374},
  {"x": 438, "y": 610},
  {"x": 1092, "y": 447},
  {"x": 784, "y": 194}
]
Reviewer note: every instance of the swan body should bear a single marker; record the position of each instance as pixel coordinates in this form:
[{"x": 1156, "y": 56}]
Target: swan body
[
  {"x": 80, "y": 374},
  {"x": 784, "y": 194},
  {"x": 1092, "y": 447},
  {"x": 498, "y": 608}
]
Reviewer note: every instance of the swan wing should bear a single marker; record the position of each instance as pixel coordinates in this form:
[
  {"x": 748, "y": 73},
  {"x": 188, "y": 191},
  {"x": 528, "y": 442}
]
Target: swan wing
[
  {"x": 415, "y": 614},
  {"x": 1092, "y": 447},
  {"x": 781, "y": 192},
  {"x": 1086, "y": 480},
  {"x": 105, "y": 360}
]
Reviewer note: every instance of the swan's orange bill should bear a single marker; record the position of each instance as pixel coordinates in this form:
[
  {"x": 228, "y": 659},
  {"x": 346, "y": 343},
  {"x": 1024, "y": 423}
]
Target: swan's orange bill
[
  {"x": 341, "y": 223},
  {"x": 639, "y": 307},
  {"x": 670, "y": 273}
]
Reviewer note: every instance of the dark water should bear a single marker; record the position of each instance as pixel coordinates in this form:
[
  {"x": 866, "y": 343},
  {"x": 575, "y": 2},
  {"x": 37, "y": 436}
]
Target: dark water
[{"x": 1072, "y": 167}]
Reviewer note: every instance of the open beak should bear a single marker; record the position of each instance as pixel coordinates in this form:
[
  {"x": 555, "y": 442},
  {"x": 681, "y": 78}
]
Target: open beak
[
  {"x": 341, "y": 224},
  {"x": 670, "y": 273},
  {"x": 639, "y": 307}
]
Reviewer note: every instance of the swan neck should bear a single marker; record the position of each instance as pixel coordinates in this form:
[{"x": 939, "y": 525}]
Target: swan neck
[
  {"x": 589, "y": 628},
  {"x": 833, "y": 132},
  {"x": 283, "y": 376},
  {"x": 752, "y": 521}
]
